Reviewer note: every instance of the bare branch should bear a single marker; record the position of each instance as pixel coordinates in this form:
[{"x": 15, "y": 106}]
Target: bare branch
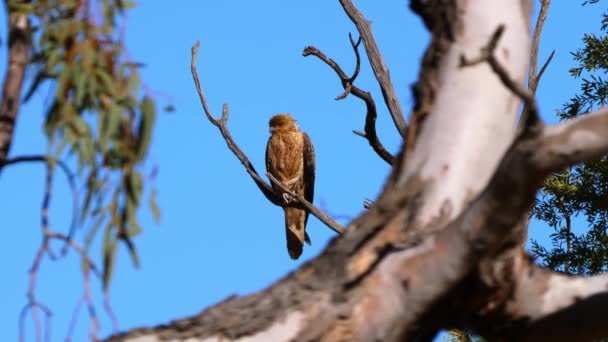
[
  {"x": 221, "y": 125},
  {"x": 266, "y": 189},
  {"x": 377, "y": 62},
  {"x": 347, "y": 82},
  {"x": 71, "y": 182},
  {"x": 335, "y": 226},
  {"x": 533, "y": 77},
  {"x": 47, "y": 236}
]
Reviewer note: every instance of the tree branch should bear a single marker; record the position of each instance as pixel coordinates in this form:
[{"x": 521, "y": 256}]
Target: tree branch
[
  {"x": 377, "y": 62},
  {"x": 347, "y": 83},
  {"x": 266, "y": 189},
  {"x": 574, "y": 141},
  {"x": 533, "y": 77},
  {"x": 335, "y": 226},
  {"x": 549, "y": 306},
  {"x": 19, "y": 48},
  {"x": 71, "y": 182}
]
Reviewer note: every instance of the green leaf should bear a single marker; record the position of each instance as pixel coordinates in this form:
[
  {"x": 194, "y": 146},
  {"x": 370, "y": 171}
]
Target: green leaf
[
  {"x": 135, "y": 187},
  {"x": 110, "y": 122},
  {"x": 109, "y": 255},
  {"x": 80, "y": 87},
  {"x": 62, "y": 88},
  {"x": 146, "y": 125},
  {"x": 132, "y": 251},
  {"x": 91, "y": 190},
  {"x": 154, "y": 206},
  {"x": 107, "y": 82}
]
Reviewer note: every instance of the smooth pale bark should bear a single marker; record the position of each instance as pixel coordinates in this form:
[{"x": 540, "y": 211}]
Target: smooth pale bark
[{"x": 473, "y": 118}]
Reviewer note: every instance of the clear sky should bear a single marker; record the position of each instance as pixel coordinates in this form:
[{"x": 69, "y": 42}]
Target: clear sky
[{"x": 219, "y": 235}]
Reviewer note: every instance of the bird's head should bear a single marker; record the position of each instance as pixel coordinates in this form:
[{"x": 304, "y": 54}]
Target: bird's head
[{"x": 282, "y": 122}]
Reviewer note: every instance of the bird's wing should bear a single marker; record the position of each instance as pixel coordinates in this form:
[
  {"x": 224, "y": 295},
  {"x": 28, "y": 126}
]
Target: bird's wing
[{"x": 309, "y": 168}]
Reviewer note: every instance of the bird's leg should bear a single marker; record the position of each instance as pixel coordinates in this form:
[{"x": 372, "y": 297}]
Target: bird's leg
[{"x": 287, "y": 198}]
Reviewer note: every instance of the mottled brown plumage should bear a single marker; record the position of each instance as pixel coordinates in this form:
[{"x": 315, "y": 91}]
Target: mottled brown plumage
[{"x": 290, "y": 158}]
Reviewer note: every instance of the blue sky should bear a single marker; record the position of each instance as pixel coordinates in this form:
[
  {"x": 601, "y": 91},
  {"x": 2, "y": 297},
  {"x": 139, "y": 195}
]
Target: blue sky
[{"x": 219, "y": 235}]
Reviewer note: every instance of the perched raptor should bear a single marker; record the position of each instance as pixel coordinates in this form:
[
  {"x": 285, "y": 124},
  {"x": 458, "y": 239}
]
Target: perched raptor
[{"x": 290, "y": 158}]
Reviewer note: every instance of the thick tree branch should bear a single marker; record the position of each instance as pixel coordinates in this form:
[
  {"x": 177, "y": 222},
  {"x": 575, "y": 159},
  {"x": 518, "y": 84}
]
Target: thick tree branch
[
  {"x": 347, "y": 82},
  {"x": 558, "y": 307},
  {"x": 574, "y": 141},
  {"x": 19, "y": 48},
  {"x": 266, "y": 189},
  {"x": 377, "y": 62}
]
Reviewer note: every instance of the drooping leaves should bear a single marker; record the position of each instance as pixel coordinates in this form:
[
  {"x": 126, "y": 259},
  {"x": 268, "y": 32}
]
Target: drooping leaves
[{"x": 98, "y": 114}]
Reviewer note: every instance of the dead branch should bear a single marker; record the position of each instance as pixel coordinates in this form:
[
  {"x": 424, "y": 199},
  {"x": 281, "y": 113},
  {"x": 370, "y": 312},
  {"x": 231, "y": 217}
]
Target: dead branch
[
  {"x": 266, "y": 189},
  {"x": 48, "y": 235},
  {"x": 347, "y": 83},
  {"x": 533, "y": 77},
  {"x": 377, "y": 62}
]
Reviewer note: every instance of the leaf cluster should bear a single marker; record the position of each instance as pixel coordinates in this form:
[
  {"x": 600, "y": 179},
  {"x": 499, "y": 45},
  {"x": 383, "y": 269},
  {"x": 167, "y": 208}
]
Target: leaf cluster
[
  {"x": 98, "y": 115},
  {"x": 579, "y": 193}
]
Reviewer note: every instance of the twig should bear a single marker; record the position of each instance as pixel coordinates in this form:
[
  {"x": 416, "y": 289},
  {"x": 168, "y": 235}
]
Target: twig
[
  {"x": 347, "y": 83},
  {"x": 108, "y": 309},
  {"x": 74, "y": 319},
  {"x": 33, "y": 306},
  {"x": 47, "y": 237},
  {"x": 377, "y": 62},
  {"x": 221, "y": 124},
  {"x": 487, "y": 55},
  {"x": 335, "y": 226}
]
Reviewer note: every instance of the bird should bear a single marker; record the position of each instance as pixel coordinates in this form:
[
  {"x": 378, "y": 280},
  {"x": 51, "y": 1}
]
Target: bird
[{"x": 290, "y": 158}]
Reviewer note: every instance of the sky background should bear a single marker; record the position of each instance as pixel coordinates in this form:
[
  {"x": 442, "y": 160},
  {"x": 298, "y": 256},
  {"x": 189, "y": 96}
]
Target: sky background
[{"x": 219, "y": 235}]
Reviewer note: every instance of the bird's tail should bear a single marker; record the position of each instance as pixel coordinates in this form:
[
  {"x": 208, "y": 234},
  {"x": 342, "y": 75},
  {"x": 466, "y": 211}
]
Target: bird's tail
[{"x": 295, "y": 225}]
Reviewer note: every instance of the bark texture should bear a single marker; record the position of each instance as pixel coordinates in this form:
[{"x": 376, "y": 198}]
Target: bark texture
[
  {"x": 19, "y": 49},
  {"x": 442, "y": 245}
]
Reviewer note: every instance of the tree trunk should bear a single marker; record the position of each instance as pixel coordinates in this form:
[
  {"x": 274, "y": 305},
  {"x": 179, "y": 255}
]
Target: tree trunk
[
  {"x": 19, "y": 49},
  {"x": 442, "y": 245}
]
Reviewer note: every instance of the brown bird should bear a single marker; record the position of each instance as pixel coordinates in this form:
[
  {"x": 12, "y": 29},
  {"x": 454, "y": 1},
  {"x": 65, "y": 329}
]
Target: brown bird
[{"x": 290, "y": 158}]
